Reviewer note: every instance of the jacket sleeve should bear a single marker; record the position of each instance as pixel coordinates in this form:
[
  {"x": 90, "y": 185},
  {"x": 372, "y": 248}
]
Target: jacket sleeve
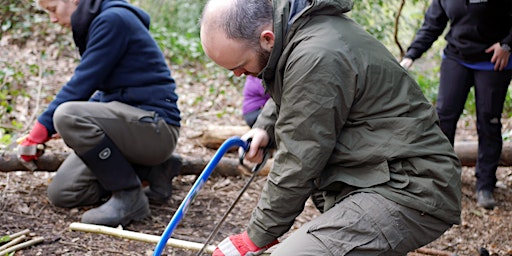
[
  {"x": 312, "y": 111},
  {"x": 106, "y": 44},
  {"x": 434, "y": 24},
  {"x": 508, "y": 38},
  {"x": 267, "y": 119}
]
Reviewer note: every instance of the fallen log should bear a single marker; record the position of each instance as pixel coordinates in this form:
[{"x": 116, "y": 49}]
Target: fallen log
[
  {"x": 229, "y": 166},
  {"x": 47, "y": 162},
  {"x": 50, "y": 162},
  {"x": 467, "y": 151}
]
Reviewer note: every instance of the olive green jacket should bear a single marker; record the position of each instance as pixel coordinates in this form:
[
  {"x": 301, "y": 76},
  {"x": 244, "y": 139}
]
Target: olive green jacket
[{"x": 346, "y": 117}]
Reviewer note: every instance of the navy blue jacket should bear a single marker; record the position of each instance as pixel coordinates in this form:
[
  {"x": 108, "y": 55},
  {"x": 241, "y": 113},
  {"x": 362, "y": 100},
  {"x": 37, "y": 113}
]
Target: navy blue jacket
[
  {"x": 475, "y": 25},
  {"x": 120, "y": 62}
]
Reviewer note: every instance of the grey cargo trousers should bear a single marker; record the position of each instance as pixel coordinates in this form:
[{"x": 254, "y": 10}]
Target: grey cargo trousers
[
  {"x": 363, "y": 224},
  {"x": 141, "y": 136}
]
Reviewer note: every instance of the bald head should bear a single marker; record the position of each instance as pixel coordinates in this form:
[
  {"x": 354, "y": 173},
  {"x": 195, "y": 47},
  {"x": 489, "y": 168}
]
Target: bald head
[
  {"x": 213, "y": 12},
  {"x": 237, "y": 34},
  {"x": 238, "y": 19}
]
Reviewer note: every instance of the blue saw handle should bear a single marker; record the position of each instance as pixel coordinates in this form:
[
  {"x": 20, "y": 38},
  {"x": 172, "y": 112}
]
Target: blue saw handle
[{"x": 182, "y": 209}]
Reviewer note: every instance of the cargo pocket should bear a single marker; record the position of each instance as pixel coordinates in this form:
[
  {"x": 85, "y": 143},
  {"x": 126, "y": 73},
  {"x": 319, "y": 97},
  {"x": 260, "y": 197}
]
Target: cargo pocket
[{"x": 348, "y": 229}]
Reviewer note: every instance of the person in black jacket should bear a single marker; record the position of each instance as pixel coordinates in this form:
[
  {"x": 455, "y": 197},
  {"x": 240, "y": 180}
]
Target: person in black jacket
[
  {"x": 118, "y": 113},
  {"x": 477, "y": 54}
]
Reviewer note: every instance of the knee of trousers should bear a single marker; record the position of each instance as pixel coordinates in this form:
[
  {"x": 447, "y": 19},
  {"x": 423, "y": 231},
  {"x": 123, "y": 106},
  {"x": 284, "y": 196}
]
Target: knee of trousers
[
  {"x": 65, "y": 119},
  {"x": 72, "y": 196},
  {"x": 60, "y": 196}
]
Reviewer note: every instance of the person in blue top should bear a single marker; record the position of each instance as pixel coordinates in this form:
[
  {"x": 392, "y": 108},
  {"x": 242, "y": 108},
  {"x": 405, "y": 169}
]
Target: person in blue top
[
  {"x": 477, "y": 54},
  {"x": 118, "y": 113}
]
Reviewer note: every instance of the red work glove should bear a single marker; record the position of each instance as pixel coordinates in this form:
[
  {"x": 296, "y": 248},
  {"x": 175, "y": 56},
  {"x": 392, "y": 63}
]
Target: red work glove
[
  {"x": 240, "y": 245},
  {"x": 28, "y": 148}
]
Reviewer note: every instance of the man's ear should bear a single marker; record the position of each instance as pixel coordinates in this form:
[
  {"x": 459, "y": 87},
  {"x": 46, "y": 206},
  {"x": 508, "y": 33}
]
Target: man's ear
[{"x": 267, "y": 40}]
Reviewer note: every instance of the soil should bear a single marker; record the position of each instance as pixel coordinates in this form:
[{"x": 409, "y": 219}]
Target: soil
[{"x": 24, "y": 205}]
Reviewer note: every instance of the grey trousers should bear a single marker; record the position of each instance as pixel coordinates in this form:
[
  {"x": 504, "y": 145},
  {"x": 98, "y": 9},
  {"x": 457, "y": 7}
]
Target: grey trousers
[
  {"x": 141, "y": 136},
  {"x": 363, "y": 224}
]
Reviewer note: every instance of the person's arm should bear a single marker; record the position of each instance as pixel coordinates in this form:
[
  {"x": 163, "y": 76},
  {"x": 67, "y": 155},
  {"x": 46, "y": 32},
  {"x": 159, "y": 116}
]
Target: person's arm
[
  {"x": 313, "y": 110},
  {"x": 434, "y": 23}
]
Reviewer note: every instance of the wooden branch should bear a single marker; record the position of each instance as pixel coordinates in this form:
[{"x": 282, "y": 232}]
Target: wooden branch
[
  {"x": 137, "y": 236},
  {"x": 14, "y": 241},
  {"x": 26, "y": 244},
  {"x": 395, "y": 33},
  {"x": 132, "y": 235},
  {"x": 17, "y": 234}
]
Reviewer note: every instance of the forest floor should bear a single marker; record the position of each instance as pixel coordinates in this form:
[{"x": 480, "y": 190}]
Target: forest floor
[{"x": 24, "y": 205}]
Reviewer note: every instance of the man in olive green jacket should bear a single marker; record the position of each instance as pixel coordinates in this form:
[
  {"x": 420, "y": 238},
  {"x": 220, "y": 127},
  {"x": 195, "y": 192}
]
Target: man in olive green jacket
[{"x": 349, "y": 124}]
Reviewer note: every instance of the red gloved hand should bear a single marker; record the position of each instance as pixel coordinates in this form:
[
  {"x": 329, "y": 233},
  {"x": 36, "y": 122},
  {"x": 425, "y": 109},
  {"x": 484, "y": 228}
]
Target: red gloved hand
[
  {"x": 240, "y": 245},
  {"x": 28, "y": 148}
]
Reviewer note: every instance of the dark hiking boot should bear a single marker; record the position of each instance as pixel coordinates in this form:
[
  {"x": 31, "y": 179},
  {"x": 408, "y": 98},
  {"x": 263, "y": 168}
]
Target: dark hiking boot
[
  {"x": 485, "y": 199},
  {"x": 160, "y": 178},
  {"x": 123, "y": 207}
]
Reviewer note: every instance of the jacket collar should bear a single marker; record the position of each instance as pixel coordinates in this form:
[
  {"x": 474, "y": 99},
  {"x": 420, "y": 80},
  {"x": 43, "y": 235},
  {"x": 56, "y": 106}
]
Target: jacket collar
[
  {"x": 289, "y": 12},
  {"x": 81, "y": 19}
]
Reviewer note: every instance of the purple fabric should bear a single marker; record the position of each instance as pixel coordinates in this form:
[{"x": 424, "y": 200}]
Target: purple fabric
[{"x": 254, "y": 95}]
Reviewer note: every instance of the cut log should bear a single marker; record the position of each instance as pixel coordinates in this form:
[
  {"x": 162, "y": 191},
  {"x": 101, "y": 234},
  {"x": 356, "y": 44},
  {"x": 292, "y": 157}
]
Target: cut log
[
  {"x": 227, "y": 166},
  {"x": 213, "y": 136}
]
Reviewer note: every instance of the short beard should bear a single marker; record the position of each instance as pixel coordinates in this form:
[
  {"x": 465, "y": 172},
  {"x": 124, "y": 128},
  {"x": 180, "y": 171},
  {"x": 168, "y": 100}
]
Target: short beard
[{"x": 263, "y": 57}]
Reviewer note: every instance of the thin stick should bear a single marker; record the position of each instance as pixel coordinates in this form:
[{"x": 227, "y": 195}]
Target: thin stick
[
  {"x": 23, "y": 232},
  {"x": 14, "y": 241},
  {"x": 28, "y": 243},
  {"x": 138, "y": 236}
]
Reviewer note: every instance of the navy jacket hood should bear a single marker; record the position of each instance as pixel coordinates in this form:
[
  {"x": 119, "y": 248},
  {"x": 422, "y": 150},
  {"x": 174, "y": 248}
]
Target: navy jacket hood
[{"x": 87, "y": 10}]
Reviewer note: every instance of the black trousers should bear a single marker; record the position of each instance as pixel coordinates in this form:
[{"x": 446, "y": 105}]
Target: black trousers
[{"x": 491, "y": 87}]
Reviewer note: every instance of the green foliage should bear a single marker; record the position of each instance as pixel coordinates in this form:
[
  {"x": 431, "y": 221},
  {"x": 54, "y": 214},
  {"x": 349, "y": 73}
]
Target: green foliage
[
  {"x": 11, "y": 80},
  {"x": 20, "y": 18},
  {"x": 428, "y": 84},
  {"x": 175, "y": 26},
  {"x": 4, "y": 239},
  {"x": 378, "y": 18}
]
